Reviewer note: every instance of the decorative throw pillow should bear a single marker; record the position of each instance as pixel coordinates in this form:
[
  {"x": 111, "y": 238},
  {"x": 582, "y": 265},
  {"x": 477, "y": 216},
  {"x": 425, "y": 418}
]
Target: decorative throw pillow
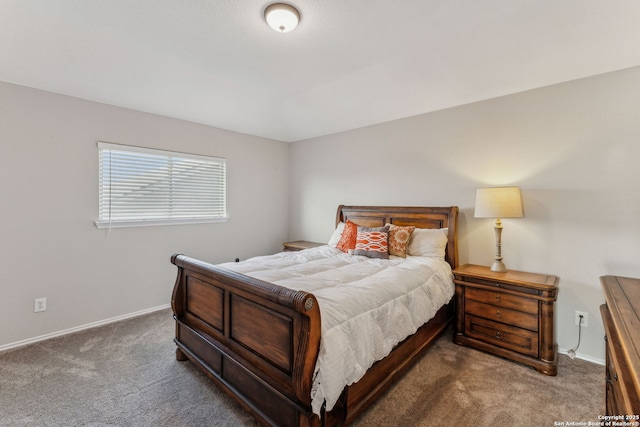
[
  {"x": 399, "y": 239},
  {"x": 337, "y": 233},
  {"x": 428, "y": 242},
  {"x": 372, "y": 242},
  {"x": 348, "y": 238}
]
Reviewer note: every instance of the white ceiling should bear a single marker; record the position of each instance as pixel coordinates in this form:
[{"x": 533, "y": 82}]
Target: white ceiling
[{"x": 350, "y": 63}]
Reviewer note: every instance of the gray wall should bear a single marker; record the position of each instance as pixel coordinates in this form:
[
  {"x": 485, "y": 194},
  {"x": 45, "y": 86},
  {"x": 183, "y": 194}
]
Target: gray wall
[
  {"x": 573, "y": 148},
  {"x": 49, "y": 246}
]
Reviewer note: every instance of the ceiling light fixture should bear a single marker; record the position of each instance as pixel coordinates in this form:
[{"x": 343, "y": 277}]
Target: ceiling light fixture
[{"x": 282, "y": 17}]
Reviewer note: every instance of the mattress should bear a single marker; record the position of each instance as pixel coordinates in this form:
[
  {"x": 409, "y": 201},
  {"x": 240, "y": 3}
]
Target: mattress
[{"x": 367, "y": 305}]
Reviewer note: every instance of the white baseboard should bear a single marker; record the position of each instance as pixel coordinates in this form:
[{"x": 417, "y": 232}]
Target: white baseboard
[
  {"x": 583, "y": 357},
  {"x": 80, "y": 328}
]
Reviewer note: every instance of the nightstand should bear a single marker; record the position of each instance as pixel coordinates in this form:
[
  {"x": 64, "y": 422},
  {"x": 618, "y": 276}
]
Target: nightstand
[
  {"x": 507, "y": 314},
  {"x": 299, "y": 245}
]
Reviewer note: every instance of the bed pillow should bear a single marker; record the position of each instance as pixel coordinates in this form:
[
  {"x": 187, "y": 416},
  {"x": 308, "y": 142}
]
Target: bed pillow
[
  {"x": 348, "y": 238},
  {"x": 428, "y": 242},
  {"x": 372, "y": 242},
  {"x": 337, "y": 233},
  {"x": 399, "y": 239}
]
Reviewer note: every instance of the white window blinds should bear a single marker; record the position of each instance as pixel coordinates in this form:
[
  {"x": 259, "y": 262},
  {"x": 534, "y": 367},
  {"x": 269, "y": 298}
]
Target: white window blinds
[{"x": 141, "y": 186}]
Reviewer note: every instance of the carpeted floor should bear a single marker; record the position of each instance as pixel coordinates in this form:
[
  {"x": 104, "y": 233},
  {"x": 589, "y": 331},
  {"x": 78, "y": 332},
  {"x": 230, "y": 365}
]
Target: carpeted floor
[{"x": 125, "y": 374}]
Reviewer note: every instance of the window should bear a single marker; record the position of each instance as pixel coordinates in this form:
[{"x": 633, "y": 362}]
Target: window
[{"x": 141, "y": 186}]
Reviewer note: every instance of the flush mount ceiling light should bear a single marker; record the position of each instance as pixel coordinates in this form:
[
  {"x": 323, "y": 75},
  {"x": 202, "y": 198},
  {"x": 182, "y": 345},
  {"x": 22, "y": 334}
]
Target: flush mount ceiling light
[{"x": 282, "y": 17}]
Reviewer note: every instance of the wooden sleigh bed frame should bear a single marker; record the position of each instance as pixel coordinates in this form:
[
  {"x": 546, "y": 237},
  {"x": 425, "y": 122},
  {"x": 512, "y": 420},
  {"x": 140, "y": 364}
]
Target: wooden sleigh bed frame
[{"x": 259, "y": 341}]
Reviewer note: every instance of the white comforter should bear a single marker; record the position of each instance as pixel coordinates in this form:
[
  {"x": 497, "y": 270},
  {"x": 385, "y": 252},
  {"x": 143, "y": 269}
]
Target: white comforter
[{"x": 367, "y": 305}]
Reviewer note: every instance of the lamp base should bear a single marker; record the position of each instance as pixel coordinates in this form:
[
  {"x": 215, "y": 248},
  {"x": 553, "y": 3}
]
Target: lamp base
[{"x": 499, "y": 267}]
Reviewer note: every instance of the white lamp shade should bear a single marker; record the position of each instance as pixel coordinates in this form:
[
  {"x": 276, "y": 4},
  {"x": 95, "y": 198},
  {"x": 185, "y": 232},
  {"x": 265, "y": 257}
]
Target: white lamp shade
[
  {"x": 499, "y": 202},
  {"x": 282, "y": 17}
]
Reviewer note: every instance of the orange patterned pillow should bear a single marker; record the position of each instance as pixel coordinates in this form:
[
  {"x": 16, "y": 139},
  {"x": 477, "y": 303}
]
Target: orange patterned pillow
[
  {"x": 373, "y": 242},
  {"x": 348, "y": 239},
  {"x": 399, "y": 239}
]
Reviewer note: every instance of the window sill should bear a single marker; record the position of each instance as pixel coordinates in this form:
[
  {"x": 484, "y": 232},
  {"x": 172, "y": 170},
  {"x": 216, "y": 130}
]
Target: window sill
[{"x": 153, "y": 223}]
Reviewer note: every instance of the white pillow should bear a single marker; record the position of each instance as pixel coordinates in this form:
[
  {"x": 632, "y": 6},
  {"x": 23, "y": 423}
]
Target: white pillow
[
  {"x": 428, "y": 242},
  {"x": 335, "y": 237}
]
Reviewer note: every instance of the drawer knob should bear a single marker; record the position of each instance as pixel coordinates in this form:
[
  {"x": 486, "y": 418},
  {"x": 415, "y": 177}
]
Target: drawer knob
[
  {"x": 498, "y": 314},
  {"x": 498, "y": 335},
  {"x": 497, "y": 298}
]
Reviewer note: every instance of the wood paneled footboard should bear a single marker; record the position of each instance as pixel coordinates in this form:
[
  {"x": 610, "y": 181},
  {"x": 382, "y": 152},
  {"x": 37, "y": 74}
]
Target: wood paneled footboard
[{"x": 257, "y": 340}]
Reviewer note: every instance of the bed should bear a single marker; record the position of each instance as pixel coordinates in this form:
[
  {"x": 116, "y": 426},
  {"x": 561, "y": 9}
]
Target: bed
[{"x": 260, "y": 341}]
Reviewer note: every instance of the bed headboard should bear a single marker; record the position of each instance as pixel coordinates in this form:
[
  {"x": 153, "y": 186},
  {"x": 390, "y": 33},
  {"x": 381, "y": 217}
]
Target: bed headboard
[{"x": 420, "y": 217}]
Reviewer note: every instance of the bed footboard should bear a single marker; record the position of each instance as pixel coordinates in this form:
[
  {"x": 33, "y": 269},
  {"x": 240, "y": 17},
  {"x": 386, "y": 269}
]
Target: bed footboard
[
  {"x": 220, "y": 326},
  {"x": 259, "y": 341}
]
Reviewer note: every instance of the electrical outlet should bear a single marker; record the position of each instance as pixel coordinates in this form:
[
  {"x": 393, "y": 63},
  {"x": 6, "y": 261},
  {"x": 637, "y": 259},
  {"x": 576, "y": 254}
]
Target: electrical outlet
[
  {"x": 40, "y": 304},
  {"x": 585, "y": 318}
]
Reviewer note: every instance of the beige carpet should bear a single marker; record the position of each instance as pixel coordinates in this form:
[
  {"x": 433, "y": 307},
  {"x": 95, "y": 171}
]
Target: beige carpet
[
  {"x": 125, "y": 374},
  {"x": 459, "y": 386}
]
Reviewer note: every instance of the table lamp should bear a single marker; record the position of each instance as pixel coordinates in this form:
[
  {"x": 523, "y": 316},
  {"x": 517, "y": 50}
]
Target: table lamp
[{"x": 498, "y": 202}]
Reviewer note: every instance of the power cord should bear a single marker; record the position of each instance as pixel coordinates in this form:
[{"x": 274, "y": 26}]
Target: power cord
[{"x": 572, "y": 352}]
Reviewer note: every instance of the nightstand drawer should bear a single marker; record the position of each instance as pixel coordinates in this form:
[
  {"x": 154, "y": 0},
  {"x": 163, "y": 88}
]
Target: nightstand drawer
[
  {"x": 516, "y": 339},
  {"x": 500, "y": 285},
  {"x": 501, "y": 314},
  {"x": 528, "y": 305}
]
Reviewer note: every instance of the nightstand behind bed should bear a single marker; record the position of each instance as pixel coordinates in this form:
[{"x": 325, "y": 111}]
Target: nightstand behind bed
[{"x": 299, "y": 245}]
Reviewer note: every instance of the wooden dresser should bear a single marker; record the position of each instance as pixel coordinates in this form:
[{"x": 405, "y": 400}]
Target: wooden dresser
[
  {"x": 621, "y": 318},
  {"x": 508, "y": 314}
]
